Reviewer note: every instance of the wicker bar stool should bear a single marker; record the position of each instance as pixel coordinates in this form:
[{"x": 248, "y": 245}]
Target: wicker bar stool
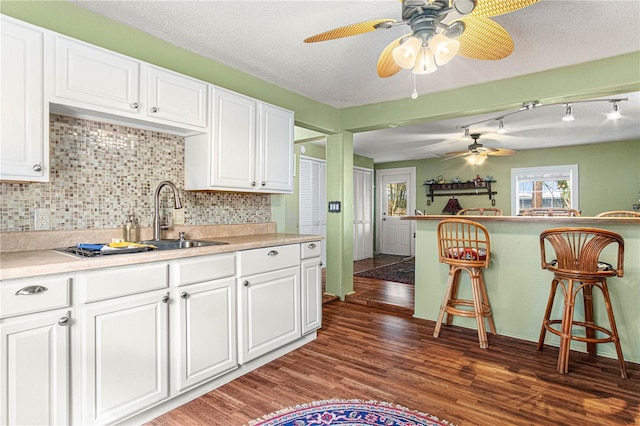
[
  {"x": 464, "y": 245},
  {"x": 480, "y": 211},
  {"x": 576, "y": 267},
  {"x": 553, "y": 211},
  {"x": 619, "y": 213}
]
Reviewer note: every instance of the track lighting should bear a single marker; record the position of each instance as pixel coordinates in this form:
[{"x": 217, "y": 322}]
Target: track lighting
[
  {"x": 528, "y": 106},
  {"x": 568, "y": 115},
  {"x": 615, "y": 112}
]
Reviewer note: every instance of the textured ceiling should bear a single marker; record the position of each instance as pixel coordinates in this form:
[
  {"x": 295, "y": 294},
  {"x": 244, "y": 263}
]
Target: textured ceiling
[{"x": 264, "y": 39}]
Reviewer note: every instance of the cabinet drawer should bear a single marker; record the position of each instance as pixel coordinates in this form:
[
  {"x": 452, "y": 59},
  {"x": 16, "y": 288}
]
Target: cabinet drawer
[
  {"x": 268, "y": 259},
  {"x": 312, "y": 249},
  {"x": 205, "y": 268},
  {"x": 115, "y": 282},
  {"x": 33, "y": 295}
]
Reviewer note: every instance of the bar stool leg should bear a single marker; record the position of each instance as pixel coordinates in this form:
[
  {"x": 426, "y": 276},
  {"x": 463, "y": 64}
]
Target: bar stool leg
[
  {"x": 590, "y": 332},
  {"x": 547, "y": 314},
  {"x": 614, "y": 329},
  {"x": 486, "y": 305},
  {"x": 453, "y": 273},
  {"x": 566, "y": 327},
  {"x": 478, "y": 309}
]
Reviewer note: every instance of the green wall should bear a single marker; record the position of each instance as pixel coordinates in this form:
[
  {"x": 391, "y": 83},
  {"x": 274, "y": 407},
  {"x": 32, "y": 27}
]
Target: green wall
[{"x": 609, "y": 175}]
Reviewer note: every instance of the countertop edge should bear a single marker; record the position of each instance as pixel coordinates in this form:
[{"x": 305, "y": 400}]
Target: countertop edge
[
  {"x": 581, "y": 220},
  {"x": 27, "y": 264}
]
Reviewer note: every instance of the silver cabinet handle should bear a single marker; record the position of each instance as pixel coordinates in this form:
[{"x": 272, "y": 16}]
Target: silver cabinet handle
[
  {"x": 154, "y": 109},
  {"x": 32, "y": 289},
  {"x": 264, "y": 183},
  {"x": 37, "y": 168},
  {"x": 64, "y": 321},
  {"x": 135, "y": 105},
  {"x": 246, "y": 283},
  {"x": 165, "y": 299},
  {"x": 312, "y": 246},
  {"x": 253, "y": 183},
  {"x": 184, "y": 295},
  {"x": 272, "y": 253}
]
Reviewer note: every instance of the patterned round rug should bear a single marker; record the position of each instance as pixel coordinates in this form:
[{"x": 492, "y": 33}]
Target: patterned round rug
[{"x": 348, "y": 413}]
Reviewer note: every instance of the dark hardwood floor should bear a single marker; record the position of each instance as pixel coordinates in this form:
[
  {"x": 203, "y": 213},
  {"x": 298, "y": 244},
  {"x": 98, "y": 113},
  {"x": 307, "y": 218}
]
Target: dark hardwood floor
[{"x": 364, "y": 352}]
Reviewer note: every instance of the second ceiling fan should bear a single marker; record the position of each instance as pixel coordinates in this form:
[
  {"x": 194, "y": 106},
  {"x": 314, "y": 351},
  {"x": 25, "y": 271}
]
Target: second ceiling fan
[{"x": 432, "y": 42}]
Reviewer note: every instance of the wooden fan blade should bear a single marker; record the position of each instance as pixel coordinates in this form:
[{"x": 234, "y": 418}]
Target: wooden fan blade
[
  {"x": 348, "y": 30},
  {"x": 488, "y": 8},
  {"x": 455, "y": 154},
  {"x": 484, "y": 39},
  {"x": 503, "y": 152},
  {"x": 386, "y": 65},
  {"x": 487, "y": 150}
]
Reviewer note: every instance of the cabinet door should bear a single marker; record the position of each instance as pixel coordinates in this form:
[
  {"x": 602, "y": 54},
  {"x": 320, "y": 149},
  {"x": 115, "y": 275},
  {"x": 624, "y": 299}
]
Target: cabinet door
[
  {"x": 97, "y": 77},
  {"x": 269, "y": 312},
  {"x": 35, "y": 369},
  {"x": 275, "y": 159},
  {"x": 207, "y": 332},
  {"x": 176, "y": 98},
  {"x": 234, "y": 141},
  {"x": 125, "y": 350},
  {"x": 24, "y": 138},
  {"x": 311, "y": 270}
]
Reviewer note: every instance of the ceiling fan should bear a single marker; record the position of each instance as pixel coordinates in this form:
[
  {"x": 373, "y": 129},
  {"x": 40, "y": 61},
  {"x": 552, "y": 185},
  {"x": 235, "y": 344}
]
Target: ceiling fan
[
  {"x": 476, "y": 153},
  {"x": 433, "y": 42}
]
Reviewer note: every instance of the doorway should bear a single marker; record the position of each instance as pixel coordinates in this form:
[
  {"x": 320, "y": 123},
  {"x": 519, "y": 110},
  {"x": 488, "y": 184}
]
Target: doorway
[{"x": 396, "y": 194}]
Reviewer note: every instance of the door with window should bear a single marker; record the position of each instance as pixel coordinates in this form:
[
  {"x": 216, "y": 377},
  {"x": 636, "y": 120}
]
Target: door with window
[{"x": 396, "y": 195}]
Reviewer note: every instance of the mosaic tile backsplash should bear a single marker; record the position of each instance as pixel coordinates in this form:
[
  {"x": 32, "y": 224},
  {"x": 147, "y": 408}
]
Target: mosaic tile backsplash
[{"x": 102, "y": 172}]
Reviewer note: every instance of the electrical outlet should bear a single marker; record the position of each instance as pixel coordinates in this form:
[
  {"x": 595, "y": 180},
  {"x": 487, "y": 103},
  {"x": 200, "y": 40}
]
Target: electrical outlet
[
  {"x": 41, "y": 219},
  {"x": 178, "y": 216}
]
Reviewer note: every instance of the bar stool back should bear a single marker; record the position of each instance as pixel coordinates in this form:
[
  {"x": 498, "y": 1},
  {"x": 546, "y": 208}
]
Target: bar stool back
[
  {"x": 480, "y": 211},
  {"x": 576, "y": 267},
  {"x": 465, "y": 245},
  {"x": 619, "y": 213}
]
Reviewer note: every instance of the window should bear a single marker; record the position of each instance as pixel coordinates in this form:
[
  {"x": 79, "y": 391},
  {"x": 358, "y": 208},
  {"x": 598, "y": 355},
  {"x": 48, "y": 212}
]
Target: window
[
  {"x": 544, "y": 187},
  {"x": 397, "y": 199}
]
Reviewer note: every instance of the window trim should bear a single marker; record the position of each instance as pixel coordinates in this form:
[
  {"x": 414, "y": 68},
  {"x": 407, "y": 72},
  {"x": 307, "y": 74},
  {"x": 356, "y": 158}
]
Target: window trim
[{"x": 572, "y": 169}]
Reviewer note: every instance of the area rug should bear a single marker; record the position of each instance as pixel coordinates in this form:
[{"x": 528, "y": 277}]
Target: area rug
[
  {"x": 400, "y": 272},
  {"x": 349, "y": 413}
]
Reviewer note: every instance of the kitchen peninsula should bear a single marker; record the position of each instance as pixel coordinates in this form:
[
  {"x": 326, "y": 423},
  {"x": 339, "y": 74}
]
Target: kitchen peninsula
[{"x": 518, "y": 287}]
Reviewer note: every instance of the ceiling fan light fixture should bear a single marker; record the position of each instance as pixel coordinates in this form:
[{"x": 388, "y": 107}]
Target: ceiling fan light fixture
[
  {"x": 425, "y": 63},
  {"x": 443, "y": 48},
  {"x": 615, "y": 112},
  {"x": 406, "y": 53},
  {"x": 501, "y": 129},
  {"x": 476, "y": 159},
  {"x": 568, "y": 114}
]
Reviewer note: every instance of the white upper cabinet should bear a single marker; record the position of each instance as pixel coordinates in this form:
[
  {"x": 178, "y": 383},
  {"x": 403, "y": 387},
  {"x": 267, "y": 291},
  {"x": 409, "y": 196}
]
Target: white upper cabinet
[
  {"x": 24, "y": 137},
  {"x": 102, "y": 81},
  {"x": 250, "y": 147},
  {"x": 96, "y": 76},
  {"x": 276, "y": 148},
  {"x": 174, "y": 97}
]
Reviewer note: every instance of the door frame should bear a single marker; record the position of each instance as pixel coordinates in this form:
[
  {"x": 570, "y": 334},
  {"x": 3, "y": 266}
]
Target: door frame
[{"x": 411, "y": 202}]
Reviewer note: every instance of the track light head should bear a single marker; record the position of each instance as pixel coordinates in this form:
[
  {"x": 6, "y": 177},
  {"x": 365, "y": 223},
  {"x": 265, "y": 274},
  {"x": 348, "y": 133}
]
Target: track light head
[
  {"x": 568, "y": 115},
  {"x": 615, "y": 112}
]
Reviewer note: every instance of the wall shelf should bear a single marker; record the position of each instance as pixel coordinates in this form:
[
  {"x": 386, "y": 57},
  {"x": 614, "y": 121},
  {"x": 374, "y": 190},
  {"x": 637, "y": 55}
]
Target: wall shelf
[{"x": 451, "y": 189}]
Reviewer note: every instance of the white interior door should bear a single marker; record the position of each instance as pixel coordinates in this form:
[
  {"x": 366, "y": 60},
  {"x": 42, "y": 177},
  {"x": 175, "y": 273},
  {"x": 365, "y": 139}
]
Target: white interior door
[
  {"x": 362, "y": 213},
  {"x": 313, "y": 199},
  {"x": 396, "y": 195}
]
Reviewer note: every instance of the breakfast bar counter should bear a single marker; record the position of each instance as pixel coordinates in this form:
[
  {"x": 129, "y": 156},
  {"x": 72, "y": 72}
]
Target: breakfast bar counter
[{"x": 518, "y": 287}]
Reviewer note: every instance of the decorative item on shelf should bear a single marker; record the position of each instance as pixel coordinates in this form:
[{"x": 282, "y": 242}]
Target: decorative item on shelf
[
  {"x": 440, "y": 179},
  {"x": 456, "y": 179},
  {"x": 429, "y": 181},
  {"x": 452, "y": 207},
  {"x": 488, "y": 178}
]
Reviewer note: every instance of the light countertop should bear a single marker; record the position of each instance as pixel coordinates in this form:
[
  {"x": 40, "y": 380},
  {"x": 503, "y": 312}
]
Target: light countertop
[{"x": 29, "y": 263}]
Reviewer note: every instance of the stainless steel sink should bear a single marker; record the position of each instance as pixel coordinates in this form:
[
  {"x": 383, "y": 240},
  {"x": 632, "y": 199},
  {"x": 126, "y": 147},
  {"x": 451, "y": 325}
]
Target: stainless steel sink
[{"x": 181, "y": 244}]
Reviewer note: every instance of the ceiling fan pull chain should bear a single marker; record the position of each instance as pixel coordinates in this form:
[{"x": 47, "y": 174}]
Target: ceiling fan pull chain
[{"x": 414, "y": 95}]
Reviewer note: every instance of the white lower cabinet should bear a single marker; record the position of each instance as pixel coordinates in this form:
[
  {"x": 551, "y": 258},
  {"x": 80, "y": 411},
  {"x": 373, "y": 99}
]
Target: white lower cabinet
[
  {"x": 35, "y": 369},
  {"x": 269, "y": 299},
  {"x": 124, "y": 341},
  {"x": 311, "y": 285},
  {"x": 35, "y": 320},
  {"x": 204, "y": 323}
]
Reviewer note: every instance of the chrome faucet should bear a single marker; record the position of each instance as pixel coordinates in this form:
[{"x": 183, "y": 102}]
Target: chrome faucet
[{"x": 156, "y": 217}]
